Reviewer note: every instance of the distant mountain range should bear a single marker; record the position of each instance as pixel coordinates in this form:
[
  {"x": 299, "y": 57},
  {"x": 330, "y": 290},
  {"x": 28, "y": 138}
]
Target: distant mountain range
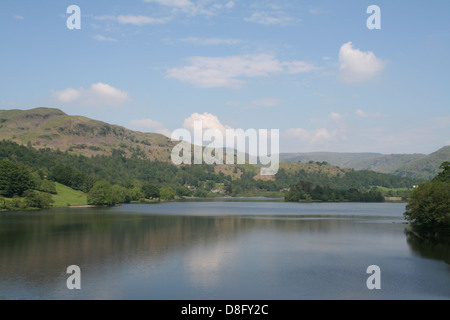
[
  {"x": 52, "y": 128},
  {"x": 418, "y": 166}
]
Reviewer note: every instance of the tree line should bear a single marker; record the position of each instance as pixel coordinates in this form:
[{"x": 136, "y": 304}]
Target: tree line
[
  {"x": 135, "y": 179},
  {"x": 306, "y": 191}
]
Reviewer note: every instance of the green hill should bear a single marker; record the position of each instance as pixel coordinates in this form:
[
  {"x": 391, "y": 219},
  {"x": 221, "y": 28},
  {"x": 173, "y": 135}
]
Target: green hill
[
  {"x": 66, "y": 196},
  {"x": 52, "y": 128}
]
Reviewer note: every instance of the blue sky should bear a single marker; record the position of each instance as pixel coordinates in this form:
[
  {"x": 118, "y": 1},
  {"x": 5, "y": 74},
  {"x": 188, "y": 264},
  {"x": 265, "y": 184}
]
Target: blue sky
[{"x": 311, "y": 69}]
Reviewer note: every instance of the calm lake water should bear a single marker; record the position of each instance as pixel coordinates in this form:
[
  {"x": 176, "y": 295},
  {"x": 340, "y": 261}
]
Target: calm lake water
[{"x": 221, "y": 250}]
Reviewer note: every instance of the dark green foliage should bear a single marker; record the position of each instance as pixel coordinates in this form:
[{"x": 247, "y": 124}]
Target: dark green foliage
[
  {"x": 429, "y": 204},
  {"x": 15, "y": 179},
  {"x": 182, "y": 191},
  {"x": 36, "y": 199},
  {"x": 444, "y": 175},
  {"x": 201, "y": 194},
  {"x": 71, "y": 177},
  {"x": 304, "y": 191},
  {"x": 150, "y": 191},
  {"x": 167, "y": 193}
]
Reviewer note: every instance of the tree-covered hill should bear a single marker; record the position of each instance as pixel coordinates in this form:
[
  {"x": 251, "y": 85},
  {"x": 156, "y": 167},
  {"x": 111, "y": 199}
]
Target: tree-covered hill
[{"x": 80, "y": 172}]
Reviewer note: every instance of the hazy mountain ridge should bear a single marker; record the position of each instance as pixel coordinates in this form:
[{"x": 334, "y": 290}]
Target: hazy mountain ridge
[{"x": 418, "y": 166}]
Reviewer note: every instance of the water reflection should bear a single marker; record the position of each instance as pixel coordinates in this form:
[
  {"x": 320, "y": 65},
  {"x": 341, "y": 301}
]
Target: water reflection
[
  {"x": 238, "y": 251},
  {"x": 430, "y": 243}
]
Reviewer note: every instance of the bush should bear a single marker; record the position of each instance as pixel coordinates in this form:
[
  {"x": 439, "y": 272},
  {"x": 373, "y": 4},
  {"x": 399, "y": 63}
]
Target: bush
[{"x": 36, "y": 199}]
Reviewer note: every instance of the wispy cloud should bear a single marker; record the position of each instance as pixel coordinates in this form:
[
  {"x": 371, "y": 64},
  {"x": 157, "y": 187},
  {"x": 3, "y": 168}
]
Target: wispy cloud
[
  {"x": 137, "y": 20},
  {"x": 103, "y": 38},
  {"x": 141, "y": 20},
  {"x": 362, "y": 114},
  {"x": 272, "y": 18},
  {"x": 334, "y": 131},
  {"x": 193, "y": 8},
  {"x": 211, "y": 41},
  {"x": 209, "y": 72},
  {"x": 18, "y": 17}
]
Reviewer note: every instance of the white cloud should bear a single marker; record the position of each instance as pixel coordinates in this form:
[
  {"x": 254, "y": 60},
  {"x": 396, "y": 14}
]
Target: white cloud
[
  {"x": 103, "y": 38},
  {"x": 149, "y": 125},
  {"x": 209, "y": 72},
  {"x": 273, "y": 18},
  {"x": 67, "y": 95},
  {"x": 97, "y": 95},
  {"x": 357, "y": 66},
  {"x": 211, "y": 41},
  {"x": 209, "y": 121},
  {"x": 18, "y": 17}
]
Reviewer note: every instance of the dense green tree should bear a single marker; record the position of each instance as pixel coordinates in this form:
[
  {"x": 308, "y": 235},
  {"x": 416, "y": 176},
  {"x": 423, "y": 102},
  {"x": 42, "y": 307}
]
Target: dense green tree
[
  {"x": 15, "y": 179},
  {"x": 101, "y": 194},
  {"x": 429, "y": 203}
]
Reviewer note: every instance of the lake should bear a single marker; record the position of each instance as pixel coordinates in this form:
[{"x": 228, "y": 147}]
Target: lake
[{"x": 239, "y": 250}]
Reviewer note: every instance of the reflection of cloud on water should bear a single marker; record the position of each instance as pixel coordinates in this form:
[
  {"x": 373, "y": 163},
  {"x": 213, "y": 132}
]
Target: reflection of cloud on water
[{"x": 205, "y": 263}]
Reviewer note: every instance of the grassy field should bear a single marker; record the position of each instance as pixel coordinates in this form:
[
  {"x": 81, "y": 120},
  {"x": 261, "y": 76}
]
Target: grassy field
[{"x": 67, "y": 196}]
